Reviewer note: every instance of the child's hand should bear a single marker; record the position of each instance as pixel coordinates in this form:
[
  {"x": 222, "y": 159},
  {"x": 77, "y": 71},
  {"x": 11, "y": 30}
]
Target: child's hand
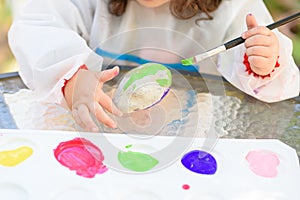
[
  {"x": 262, "y": 47},
  {"x": 84, "y": 95}
]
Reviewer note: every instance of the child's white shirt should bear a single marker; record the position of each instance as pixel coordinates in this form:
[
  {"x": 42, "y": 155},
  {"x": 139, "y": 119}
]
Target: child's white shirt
[{"x": 51, "y": 39}]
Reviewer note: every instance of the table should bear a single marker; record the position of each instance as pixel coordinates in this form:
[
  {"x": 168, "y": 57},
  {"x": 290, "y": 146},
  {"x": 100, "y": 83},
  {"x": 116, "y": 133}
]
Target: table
[
  {"x": 242, "y": 116},
  {"x": 9, "y": 83}
]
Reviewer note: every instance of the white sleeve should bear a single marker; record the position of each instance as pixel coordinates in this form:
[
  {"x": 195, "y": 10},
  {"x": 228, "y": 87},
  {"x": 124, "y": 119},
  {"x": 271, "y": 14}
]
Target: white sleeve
[
  {"x": 49, "y": 40},
  {"x": 283, "y": 82}
]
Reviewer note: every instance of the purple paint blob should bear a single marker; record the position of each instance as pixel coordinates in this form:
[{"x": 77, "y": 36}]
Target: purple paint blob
[{"x": 200, "y": 162}]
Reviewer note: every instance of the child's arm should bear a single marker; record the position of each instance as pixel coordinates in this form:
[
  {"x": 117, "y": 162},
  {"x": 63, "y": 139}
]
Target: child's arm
[
  {"x": 263, "y": 79},
  {"x": 49, "y": 40}
]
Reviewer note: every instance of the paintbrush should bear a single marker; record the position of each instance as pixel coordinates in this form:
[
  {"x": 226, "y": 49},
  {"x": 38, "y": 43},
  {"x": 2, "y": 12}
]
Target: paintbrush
[{"x": 234, "y": 42}]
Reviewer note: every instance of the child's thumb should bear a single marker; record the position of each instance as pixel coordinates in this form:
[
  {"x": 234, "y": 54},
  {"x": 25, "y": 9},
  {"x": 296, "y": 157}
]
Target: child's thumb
[
  {"x": 107, "y": 75},
  {"x": 251, "y": 21}
]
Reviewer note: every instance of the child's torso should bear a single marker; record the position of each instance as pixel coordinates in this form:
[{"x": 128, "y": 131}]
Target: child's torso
[{"x": 154, "y": 34}]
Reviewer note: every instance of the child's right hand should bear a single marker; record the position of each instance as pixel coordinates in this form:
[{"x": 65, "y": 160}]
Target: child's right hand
[{"x": 84, "y": 96}]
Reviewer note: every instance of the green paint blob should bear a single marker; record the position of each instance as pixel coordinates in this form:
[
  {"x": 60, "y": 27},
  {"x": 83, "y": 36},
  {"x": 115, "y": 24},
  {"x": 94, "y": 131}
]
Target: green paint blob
[
  {"x": 146, "y": 70},
  {"x": 137, "y": 161},
  {"x": 189, "y": 61},
  {"x": 128, "y": 146}
]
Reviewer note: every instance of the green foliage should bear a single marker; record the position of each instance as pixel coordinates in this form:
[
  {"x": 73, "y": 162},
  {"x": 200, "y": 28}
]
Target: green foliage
[
  {"x": 278, "y": 8},
  {"x": 5, "y": 13},
  {"x": 296, "y": 52},
  {"x": 275, "y": 6}
]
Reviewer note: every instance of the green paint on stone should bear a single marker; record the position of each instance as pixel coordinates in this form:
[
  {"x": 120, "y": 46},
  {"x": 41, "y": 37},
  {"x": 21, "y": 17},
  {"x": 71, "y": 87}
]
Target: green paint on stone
[
  {"x": 189, "y": 61},
  {"x": 128, "y": 146},
  {"x": 164, "y": 82},
  {"x": 146, "y": 70},
  {"x": 137, "y": 161}
]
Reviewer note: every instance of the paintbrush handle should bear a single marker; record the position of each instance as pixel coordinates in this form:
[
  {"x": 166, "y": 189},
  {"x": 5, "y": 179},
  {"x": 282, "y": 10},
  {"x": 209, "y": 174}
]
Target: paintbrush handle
[
  {"x": 234, "y": 42},
  {"x": 281, "y": 22},
  {"x": 284, "y": 21}
]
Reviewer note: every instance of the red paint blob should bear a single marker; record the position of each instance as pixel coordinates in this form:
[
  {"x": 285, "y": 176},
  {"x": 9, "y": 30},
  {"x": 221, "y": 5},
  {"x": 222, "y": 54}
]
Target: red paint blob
[
  {"x": 82, "y": 156},
  {"x": 185, "y": 187}
]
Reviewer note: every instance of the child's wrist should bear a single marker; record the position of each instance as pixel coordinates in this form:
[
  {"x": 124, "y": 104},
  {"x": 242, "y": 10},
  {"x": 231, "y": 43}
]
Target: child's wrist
[
  {"x": 250, "y": 71},
  {"x": 67, "y": 89}
]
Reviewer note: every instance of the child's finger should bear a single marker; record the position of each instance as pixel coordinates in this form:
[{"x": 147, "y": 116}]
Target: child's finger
[
  {"x": 103, "y": 117},
  {"x": 258, "y": 51},
  {"x": 77, "y": 118},
  {"x": 85, "y": 117},
  {"x": 257, "y": 62},
  {"x": 107, "y": 75},
  {"x": 107, "y": 103},
  {"x": 258, "y": 40},
  {"x": 251, "y": 21},
  {"x": 259, "y": 30}
]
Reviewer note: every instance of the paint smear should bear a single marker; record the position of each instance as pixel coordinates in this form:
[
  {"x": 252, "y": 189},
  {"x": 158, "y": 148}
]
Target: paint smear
[
  {"x": 263, "y": 163},
  {"x": 188, "y": 61},
  {"x": 200, "y": 162},
  {"x": 137, "y": 161},
  {"x": 11, "y": 158},
  {"x": 81, "y": 156},
  {"x": 147, "y": 70}
]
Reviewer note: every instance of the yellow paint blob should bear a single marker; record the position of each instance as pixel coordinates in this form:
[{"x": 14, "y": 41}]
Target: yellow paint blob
[{"x": 14, "y": 157}]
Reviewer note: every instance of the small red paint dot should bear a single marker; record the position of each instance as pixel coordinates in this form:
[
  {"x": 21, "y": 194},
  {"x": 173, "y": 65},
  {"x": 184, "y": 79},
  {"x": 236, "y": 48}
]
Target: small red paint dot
[{"x": 185, "y": 187}]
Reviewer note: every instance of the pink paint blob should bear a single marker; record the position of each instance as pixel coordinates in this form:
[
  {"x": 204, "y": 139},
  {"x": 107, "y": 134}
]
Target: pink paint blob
[
  {"x": 186, "y": 187},
  {"x": 263, "y": 163},
  {"x": 82, "y": 156}
]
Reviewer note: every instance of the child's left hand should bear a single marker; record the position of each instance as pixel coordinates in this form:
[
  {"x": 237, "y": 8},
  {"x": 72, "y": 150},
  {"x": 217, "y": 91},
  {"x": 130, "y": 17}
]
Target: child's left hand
[{"x": 262, "y": 47}]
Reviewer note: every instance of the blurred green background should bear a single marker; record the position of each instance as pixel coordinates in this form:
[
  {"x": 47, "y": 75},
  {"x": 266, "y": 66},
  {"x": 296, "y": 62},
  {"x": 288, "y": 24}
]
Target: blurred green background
[{"x": 278, "y": 9}]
